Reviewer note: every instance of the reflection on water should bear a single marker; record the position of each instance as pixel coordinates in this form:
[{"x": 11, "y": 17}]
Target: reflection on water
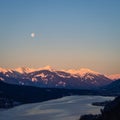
[{"x": 66, "y": 108}]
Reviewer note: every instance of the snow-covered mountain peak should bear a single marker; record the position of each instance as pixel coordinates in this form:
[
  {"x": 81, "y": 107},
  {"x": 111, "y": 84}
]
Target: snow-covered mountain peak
[
  {"x": 49, "y": 77},
  {"x": 82, "y": 71},
  {"x": 3, "y": 70},
  {"x": 24, "y": 70},
  {"x": 46, "y": 68},
  {"x": 114, "y": 76}
]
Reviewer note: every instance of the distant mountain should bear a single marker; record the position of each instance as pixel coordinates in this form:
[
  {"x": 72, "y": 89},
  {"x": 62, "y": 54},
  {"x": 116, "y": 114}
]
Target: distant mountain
[
  {"x": 114, "y": 86},
  {"x": 114, "y": 76},
  {"x": 112, "y": 89},
  {"x": 48, "y": 77}
]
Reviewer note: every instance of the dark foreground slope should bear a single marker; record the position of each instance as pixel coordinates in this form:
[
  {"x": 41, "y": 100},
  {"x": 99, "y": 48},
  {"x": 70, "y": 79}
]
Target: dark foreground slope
[
  {"x": 112, "y": 88},
  {"x": 110, "y": 112},
  {"x": 29, "y": 94}
]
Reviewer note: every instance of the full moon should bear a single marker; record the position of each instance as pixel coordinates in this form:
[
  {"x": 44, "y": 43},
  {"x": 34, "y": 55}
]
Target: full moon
[{"x": 32, "y": 35}]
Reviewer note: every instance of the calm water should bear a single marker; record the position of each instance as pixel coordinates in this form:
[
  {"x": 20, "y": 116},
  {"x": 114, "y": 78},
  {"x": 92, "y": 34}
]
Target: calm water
[{"x": 66, "y": 108}]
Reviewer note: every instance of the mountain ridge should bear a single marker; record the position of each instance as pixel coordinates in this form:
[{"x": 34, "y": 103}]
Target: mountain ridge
[
  {"x": 114, "y": 76},
  {"x": 49, "y": 77}
]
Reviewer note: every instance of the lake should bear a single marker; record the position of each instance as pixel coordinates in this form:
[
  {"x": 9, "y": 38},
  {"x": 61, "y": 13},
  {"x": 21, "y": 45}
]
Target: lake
[{"x": 66, "y": 108}]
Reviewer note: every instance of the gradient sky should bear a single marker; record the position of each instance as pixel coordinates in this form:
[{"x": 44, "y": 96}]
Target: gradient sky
[{"x": 68, "y": 34}]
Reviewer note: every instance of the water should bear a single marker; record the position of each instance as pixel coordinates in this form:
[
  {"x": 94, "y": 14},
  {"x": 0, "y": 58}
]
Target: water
[{"x": 66, "y": 108}]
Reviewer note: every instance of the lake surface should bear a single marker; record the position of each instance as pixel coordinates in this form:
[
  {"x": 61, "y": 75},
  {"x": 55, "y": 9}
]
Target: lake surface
[{"x": 66, "y": 108}]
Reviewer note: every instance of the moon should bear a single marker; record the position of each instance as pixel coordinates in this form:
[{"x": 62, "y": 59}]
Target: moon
[{"x": 32, "y": 34}]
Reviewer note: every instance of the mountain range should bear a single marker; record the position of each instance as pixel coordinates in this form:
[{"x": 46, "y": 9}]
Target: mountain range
[{"x": 51, "y": 78}]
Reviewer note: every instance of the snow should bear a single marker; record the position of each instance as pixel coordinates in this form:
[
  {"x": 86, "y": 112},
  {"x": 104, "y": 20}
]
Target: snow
[
  {"x": 82, "y": 72},
  {"x": 1, "y": 78},
  {"x": 114, "y": 76},
  {"x": 42, "y": 75},
  {"x": 75, "y": 73},
  {"x": 34, "y": 79},
  {"x": 7, "y": 75},
  {"x": 29, "y": 70},
  {"x": 62, "y": 83},
  {"x": 47, "y": 68},
  {"x": 24, "y": 70},
  {"x": 66, "y": 108},
  {"x": 89, "y": 77},
  {"x": 63, "y": 76},
  {"x": 2, "y": 70}
]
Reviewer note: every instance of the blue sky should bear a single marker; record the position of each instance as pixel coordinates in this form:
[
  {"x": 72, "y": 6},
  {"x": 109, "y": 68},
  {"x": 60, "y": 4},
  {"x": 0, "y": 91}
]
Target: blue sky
[{"x": 68, "y": 34}]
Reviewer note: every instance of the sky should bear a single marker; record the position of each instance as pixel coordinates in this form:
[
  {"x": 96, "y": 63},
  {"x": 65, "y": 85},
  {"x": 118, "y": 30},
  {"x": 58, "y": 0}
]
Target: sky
[{"x": 64, "y": 34}]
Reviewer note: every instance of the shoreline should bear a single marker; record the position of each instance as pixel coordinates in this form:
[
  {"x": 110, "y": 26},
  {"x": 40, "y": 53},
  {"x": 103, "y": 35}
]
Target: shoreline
[{"x": 103, "y": 103}]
